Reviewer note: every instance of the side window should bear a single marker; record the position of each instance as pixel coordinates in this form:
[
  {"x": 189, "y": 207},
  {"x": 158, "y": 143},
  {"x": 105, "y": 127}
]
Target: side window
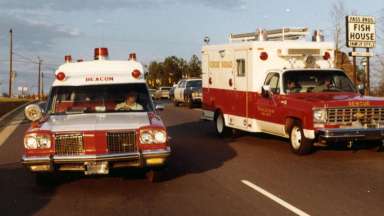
[
  {"x": 181, "y": 84},
  {"x": 273, "y": 81},
  {"x": 240, "y": 63}
]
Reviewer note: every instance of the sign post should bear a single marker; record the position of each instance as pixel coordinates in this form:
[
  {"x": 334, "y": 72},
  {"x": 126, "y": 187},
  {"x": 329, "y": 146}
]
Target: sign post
[{"x": 361, "y": 33}]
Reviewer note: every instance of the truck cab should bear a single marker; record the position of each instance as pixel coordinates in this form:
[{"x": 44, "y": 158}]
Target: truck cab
[
  {"x": 274, "y": 82},
  {"x": 99, "y": 116}
]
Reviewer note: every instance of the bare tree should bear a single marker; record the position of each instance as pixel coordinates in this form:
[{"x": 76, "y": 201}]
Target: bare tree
[{"x": 337, "y": 14}]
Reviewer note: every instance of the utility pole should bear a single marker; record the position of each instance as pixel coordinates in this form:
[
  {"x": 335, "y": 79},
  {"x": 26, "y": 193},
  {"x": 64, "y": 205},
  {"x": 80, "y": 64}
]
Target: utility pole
[
  {"x": 39, "y": 79},
  {"x": 10, "y": 62},
  {"x": 42, "y": 84}
]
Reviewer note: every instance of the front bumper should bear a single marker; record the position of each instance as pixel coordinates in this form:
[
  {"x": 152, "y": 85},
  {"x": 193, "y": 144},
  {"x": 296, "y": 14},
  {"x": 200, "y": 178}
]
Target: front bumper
[
  {"x": 145, "y": 158},
  {"x": 350, "y": 134}
]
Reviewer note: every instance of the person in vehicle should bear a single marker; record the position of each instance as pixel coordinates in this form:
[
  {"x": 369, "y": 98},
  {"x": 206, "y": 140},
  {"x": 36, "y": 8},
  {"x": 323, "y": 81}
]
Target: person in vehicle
[
  {"x": 130, "y": 103},
  {"x": 293, "y": 87},
  {"x": 326, "y": 84}
]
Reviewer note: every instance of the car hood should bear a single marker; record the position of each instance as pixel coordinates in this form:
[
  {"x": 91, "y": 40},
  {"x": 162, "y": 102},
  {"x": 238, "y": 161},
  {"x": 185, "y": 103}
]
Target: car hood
[
  {"x": 338, "y": 99},
  {"x": 95, "y": 121}
]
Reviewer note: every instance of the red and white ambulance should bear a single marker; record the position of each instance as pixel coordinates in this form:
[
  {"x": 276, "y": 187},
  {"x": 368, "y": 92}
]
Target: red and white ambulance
[
  {"x": 276, "y": 82},
  {"x": 99, "y": 116}
]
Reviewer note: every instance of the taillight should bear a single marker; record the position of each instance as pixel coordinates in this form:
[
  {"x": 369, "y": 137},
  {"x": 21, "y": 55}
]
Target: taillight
[
  {"x": 326, "y": 56},
  {"x": 60, "y": 76},
  {"x": 263, "y": 56},
  {"x": 136, "y": 73}
]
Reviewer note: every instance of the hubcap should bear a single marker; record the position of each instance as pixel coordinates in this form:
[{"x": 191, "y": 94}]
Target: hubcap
[
  {"x": 220, "y": 124},
  {"x": 296, "y": 138}
]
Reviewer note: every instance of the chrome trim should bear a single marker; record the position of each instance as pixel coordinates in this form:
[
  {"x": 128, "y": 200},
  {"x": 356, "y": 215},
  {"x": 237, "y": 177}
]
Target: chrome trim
[
  {"x": 157, "y": 152},
  {"x": 35, "y": 159},
  {"x": 351, "y": 133},
  {"x": 82, "y": 158}
]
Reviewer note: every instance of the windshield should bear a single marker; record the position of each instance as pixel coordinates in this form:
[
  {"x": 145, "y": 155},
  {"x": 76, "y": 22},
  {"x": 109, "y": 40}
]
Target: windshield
[
  {"x": 194, "y": 83},
  {"x": 316, "y": 81},
  {"x": 100, "y": 99}
]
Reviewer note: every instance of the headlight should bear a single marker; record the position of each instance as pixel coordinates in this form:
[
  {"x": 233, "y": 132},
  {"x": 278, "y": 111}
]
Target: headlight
[
  {"x": 153, "y": 136},
  {"x": 34, "y": 141},
  {"x": 319, "y": 115},
  {"x": 160, "y": 137},
  {"x": 146, "y": 137}
]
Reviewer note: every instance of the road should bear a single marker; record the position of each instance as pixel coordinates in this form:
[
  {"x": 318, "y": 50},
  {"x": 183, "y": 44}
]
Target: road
[{"x": 244, "y": 175}]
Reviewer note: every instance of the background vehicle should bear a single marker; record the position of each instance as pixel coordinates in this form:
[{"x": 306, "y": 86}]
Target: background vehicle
[
  {"x": 96, "y": 122},
  {"x": 188, "y": 91},
  {"x": 286, "y": 87},
  {"x": 152, "y": 93},
  {"x": 162, "y": 92}
]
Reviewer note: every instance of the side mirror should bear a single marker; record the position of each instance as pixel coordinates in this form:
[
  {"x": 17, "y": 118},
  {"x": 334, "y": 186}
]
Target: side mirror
[
  {"x": 33, "y": 112},
  {"x": 266, "y": 91},
  {"x": 159, "y": 107},
  {"x": 361, "y": 89}
]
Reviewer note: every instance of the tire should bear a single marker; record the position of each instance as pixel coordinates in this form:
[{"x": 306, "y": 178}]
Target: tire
[
  {"x": 175, "y": 103},
  {"x": 189, "y": 102},
  {"x": 299, "y": 144},
  {"x": 154, "y": 175},
  {"x": 221, "y": 129}
]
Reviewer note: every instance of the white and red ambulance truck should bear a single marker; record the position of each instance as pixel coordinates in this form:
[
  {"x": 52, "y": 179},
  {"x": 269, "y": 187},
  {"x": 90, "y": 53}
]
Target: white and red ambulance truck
[
  {"x": 99, "y": 116},
  {"x": 275, "y": 82}
]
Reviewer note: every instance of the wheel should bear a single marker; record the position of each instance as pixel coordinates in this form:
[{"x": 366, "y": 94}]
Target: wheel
[
  {"x": 189, "y": 102},
  {"x": 221, "y": 129},
  {"x": 299, "y": 144},
  {"x": 175, "y": 102},
  {"x": 154, "y": 175}
]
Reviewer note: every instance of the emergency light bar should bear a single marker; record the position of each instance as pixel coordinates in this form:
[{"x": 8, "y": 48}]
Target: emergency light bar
[{"x": 270, "y": 35}]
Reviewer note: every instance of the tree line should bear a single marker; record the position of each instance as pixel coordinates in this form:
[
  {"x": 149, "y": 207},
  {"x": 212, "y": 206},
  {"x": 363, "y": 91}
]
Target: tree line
[{"x": 171, "y": 70}]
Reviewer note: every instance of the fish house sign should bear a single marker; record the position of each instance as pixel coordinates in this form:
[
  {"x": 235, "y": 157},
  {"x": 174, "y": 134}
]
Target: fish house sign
[{"x": 360, "y": 31}]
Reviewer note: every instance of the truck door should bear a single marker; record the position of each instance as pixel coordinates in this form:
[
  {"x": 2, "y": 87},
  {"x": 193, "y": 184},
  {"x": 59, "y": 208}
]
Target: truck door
[
  {"x": 240, "y": 87},
  {"x": 269, "y": 106},
  {"x": 178, "y": 91}
]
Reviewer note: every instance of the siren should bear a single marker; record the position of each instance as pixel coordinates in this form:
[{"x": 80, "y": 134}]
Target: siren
[
  {"x": 68, "y": 59},
  {"x": 132, "y": 57},
  {"x": 101, "y": 53}
]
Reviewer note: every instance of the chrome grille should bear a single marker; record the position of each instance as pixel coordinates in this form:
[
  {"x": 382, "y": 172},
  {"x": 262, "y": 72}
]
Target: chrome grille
[
  {"x": 365, "y": 115},
  {"x": 121, "y": 141},
  {"x": 69, "y": 144}
]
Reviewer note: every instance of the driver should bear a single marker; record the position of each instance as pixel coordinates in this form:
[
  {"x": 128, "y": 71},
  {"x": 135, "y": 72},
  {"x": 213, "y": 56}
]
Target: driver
[
  {"x": 293, "y": 87},
  {"x": 129, "y": 103},
  {"x": 326, "y": 84}
]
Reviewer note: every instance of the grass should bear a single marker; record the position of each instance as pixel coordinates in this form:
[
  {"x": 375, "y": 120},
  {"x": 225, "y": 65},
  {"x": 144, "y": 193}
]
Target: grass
[{"x": 8, "y": 100}]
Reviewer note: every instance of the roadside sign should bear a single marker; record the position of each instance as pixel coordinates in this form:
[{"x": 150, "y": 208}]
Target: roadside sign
[
  {"x": 360, "y": 31},
  {"x": 361, "y": 54}
]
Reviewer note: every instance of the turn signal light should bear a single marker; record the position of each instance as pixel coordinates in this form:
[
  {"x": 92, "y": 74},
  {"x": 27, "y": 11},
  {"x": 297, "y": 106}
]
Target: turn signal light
[
  {"x": 263, "y": 56},
  {"x": 136, "y": 73},
  {"x": 326, "y": 56},
  {"x": 60, "y": 76}
]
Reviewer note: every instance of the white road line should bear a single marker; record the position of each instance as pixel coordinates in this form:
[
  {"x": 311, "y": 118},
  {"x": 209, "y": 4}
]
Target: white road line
[
  {"x": 8, "y": 130},
  {"x": 275, "y": 198}
]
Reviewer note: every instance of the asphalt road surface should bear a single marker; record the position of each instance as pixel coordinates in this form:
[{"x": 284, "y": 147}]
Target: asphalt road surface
[{"x": 245, "y": 175}]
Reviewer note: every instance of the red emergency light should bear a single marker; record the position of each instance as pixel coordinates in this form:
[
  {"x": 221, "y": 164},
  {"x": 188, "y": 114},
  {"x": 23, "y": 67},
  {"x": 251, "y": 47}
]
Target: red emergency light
[
  {"x": 132, "y": 57},
  {"x": 101, "y": 53},
  {"x": 67, "y": 58},
  {"x": 326, "y": 56},
  {"x": 136, "y": 73},
  {"x": 263, "y": 56},
  {"x": 60, "y": 76}
]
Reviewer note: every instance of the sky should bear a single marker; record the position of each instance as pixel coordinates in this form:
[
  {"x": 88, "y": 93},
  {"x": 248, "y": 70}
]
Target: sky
[{"x": 154, "y": 29}]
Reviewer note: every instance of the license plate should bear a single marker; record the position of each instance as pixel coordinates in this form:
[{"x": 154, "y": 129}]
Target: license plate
[{"x": 96, "y": 167}]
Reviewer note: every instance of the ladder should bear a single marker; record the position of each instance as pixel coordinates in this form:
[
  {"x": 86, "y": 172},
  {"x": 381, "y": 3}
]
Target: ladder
[{"x": 270, "y": 35}]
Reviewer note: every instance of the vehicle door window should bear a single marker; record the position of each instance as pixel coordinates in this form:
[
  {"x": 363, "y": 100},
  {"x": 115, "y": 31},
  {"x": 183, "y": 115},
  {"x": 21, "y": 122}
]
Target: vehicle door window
[
  {"x": 273, "y": 81},
  {"x": 240, "y": 64}
]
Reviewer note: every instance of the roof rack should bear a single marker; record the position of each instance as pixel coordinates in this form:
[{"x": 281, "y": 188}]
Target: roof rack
[{"x": 270, "y": 35}]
